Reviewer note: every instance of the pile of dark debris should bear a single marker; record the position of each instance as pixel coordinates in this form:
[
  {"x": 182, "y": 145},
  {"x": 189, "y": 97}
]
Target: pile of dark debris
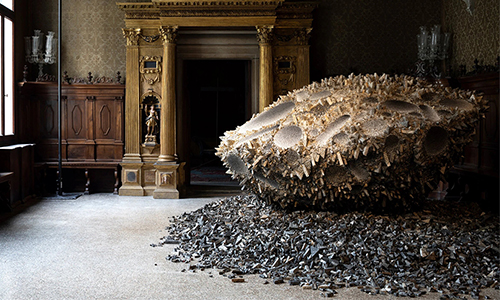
[{"x": 448, "y": 247}]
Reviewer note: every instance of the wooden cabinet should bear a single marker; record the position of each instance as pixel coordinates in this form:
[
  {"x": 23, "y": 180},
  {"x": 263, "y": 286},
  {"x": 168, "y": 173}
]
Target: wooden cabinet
[
  {"x": 482, "y": 155},
  {"x": 478, "y": 173},
  {"x": 92, "y": 121},
  {"x": 92, "y": 124}
]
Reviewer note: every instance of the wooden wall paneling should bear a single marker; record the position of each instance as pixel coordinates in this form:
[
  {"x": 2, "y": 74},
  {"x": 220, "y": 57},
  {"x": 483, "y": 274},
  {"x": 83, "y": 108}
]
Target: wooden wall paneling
[
  {"x": 10, "y": 160},
  {"x": 74, "y": 129},
  {"x": 108, "y": 126},
  {"x": 105, "y": 131},
  {"x": 64, "y": 130},
  {"x": 92, "y": 126},
  {"x": 78, "y": 129},
  {"x": 24, "y": 117},
  {"x": 27, "y": 181},
  {"x": 46, "y": 136},
  {"x": 489, "y": 127},
  {"x": 90, "y": 115},
  {"x": 120, "y": 129},
  {"x": 27, "y": 115}
]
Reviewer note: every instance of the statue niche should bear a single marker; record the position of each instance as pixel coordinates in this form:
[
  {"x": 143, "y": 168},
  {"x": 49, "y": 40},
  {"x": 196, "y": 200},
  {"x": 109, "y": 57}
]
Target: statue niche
[{"x": 151, "y": 120}]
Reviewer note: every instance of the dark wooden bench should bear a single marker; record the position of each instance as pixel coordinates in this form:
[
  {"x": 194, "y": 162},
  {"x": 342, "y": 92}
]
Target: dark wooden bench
[
  {"x": 89, "y": 165},
  {"x": 6, "y": 195}
]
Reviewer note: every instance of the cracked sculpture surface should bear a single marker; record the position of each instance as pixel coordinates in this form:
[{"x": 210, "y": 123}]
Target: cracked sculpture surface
[{"x": 358, "y": 142}]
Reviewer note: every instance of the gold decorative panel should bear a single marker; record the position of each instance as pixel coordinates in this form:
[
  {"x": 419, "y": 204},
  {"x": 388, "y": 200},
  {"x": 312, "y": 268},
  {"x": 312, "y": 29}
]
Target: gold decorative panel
[
  {"x": 149, "y": 176},
  {"x": 167, "y": 179},
  {"x": 131, "y": 176},
  {"x": 284, "y": 73},
  {"x": 150, "y": 69}
]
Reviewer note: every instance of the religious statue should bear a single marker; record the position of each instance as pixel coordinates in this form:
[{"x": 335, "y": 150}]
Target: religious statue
[{"x": 151, "y": 124}]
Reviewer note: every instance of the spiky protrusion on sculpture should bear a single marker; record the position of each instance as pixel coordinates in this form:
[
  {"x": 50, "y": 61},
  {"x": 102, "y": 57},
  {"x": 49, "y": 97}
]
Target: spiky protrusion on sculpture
[{"x": 357, "y": 142}]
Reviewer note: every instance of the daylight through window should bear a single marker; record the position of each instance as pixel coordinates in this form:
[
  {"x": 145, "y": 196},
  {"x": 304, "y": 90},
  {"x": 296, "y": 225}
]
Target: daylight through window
[{"x": 6, "y": 68}]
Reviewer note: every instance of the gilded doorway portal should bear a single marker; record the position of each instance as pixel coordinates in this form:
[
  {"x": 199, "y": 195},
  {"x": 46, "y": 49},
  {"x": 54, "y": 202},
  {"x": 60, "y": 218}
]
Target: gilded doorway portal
[
  {"x": 163, "y": 35},
  {"x": 218, "y": 96},
  {"x": 217, "y": 90}
]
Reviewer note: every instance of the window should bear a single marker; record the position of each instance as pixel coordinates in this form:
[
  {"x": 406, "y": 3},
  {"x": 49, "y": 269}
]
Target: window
[
  {"x": 8, "y": 4},
  {"x": 6, "y": 68}
]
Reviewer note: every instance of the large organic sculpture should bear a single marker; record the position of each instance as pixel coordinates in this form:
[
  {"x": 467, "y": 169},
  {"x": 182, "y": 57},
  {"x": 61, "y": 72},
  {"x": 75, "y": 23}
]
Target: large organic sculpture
[{"x": 357, "y": 142}]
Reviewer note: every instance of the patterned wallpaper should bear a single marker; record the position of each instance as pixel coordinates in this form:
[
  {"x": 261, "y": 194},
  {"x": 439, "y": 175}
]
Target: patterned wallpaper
[
  {"x": 360, "y": 36},
  {"x": 474, "y": 36},
  {"x": 367, "y": 36},
  {"x": 92, "y": 40}
]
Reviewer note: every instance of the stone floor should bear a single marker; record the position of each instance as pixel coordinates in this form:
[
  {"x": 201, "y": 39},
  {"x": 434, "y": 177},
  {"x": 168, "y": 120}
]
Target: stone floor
[{"x": 98, "y": 247}]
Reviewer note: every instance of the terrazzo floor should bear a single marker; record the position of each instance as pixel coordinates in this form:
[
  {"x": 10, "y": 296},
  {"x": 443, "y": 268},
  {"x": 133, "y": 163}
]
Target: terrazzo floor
[{"x": 98, "y": 247}]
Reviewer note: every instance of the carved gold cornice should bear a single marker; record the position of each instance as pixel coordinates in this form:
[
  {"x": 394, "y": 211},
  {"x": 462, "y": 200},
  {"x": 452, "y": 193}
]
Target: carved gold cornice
[
  {"x": 216, "y": 13},
  {"x": 139, "y": 10},
  {"x": 169, "y": 34},
  {"x": 200, "y": 8},
  {"x": 289, "y": 36},
  {"x": 265, "y": 34},
  {"x": 141, "y": 15},
  {"x": 132, "y": 35},
  {"x": 216, "y": 3},
  {"x": 281, "y": 13},
  {"x": 137, "y": 6},
  {"x": 303, "y": 36},
  {"x": 197, "y": 13},
  {"x": 297, "y": 10}
]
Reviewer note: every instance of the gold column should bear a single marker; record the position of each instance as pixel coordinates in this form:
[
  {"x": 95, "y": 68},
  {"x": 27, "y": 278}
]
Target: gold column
[
  {"x": 131, "y": 163},
  {"x": 303, "y": 76},
  {"x": 167, "y": 121},
  {"x": 132, "y": 113},
  {"x": 265, "y": 37},
  {"x": 167, "y": 169}
]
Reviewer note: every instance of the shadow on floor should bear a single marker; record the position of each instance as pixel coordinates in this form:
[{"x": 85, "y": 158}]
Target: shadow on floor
[{"x": 205, "y": 191}]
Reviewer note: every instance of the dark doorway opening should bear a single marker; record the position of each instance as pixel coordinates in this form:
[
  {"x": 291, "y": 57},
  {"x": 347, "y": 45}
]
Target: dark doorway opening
[{"x": 218, "y": 95}]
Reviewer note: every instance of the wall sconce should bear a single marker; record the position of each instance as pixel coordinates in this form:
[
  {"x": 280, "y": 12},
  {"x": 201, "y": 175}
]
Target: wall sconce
[
  {"x": 35, "y": 53},
  {"x": 431, "y": 47}
]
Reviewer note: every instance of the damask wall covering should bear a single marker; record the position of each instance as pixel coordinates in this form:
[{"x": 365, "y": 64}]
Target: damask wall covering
[
  {"x": 92, "y": 39},
  {"x": 366, "y": 36},
  {"x": 474, "y": 36},
  {"x": 360, "y": 36}
]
